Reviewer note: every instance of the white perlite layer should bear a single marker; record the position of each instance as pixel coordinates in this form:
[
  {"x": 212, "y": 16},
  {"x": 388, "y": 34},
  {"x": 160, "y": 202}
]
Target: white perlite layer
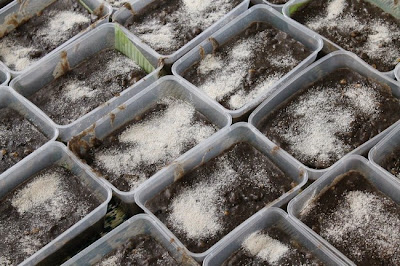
[
  {"x": 76, "y": 89},
  {"x": 380, "y": 33},
  {"x": 15, "y": 55},
  {"x": 116, "y": 3},
  {"x": 226, "y": 74},
  {"x": 59, "y": 24},
  {"x": 110, "y": 261},
  {"x": 189, "y": 15},
  {"x": 4, "y": 261},
  {"x": 7, "y": 133},
  {"x": 55, "y": 31},
  {"x": 90, "y": 88},
  {"x": 44, "y": 193},
  {"x": 34, "y": 195},
  {"x": 155, "y": 141},
  {"x": 265, "y": 248},
  {"x": 43, "y": 201},
  {"x": 197, "y": 210},
  {"x": 361, "y": 215},
  {"x": 314, "y": 133}
]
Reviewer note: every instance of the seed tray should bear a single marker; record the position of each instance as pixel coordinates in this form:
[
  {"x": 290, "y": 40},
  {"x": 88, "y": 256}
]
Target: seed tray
[
  {"x": 18, "y": 11},
  {"x": 353, "y": 162},
  {"x": 257, "y": 13},
  {"x": 124, "y": 13},
  {"x": 384, "y": 148},
  {"x": 277, "y": 7},
  {"x": 4, "y": 76},
  {"x": 9, "y": 98},
  {"x": 104, "y": 36},
  {"x": 263, "y": 220},
  {"x": 138, "y": 224},
  {"x": 216, "y": 145},
  {"x": 55, "y": 153},
  {"x": 316, "y": 71},
  {"x": 329, "y": 46},
  {"x": 139, "y": 104}
]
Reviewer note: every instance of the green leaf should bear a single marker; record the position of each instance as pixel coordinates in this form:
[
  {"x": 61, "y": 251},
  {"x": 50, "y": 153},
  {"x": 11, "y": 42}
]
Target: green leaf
[
  {"x": 295, "y": 7},
  {"x": 125, "y": 46},
  {"x": 86, "y": 6}
]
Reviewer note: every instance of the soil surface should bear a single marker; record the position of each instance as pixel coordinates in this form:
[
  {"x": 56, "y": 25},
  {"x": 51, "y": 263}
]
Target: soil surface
[
  {"x": 152, "y": 140},
  {"x": 18, "y": 138},
  {"x": 357, "y": 219},
  {"x": 210, "y": 201},
  {"x": 167, "y": 25},
  {"x": 39, "y": 210},
  {"x": 356, "y": 26},
  {"x": 93, "y": 82},
  {"x": 270, "y": 247},
  {"x": 247, "y": 66},
  {"x": 44, "y": 32},
  {"x": 331, "y": 117}
]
